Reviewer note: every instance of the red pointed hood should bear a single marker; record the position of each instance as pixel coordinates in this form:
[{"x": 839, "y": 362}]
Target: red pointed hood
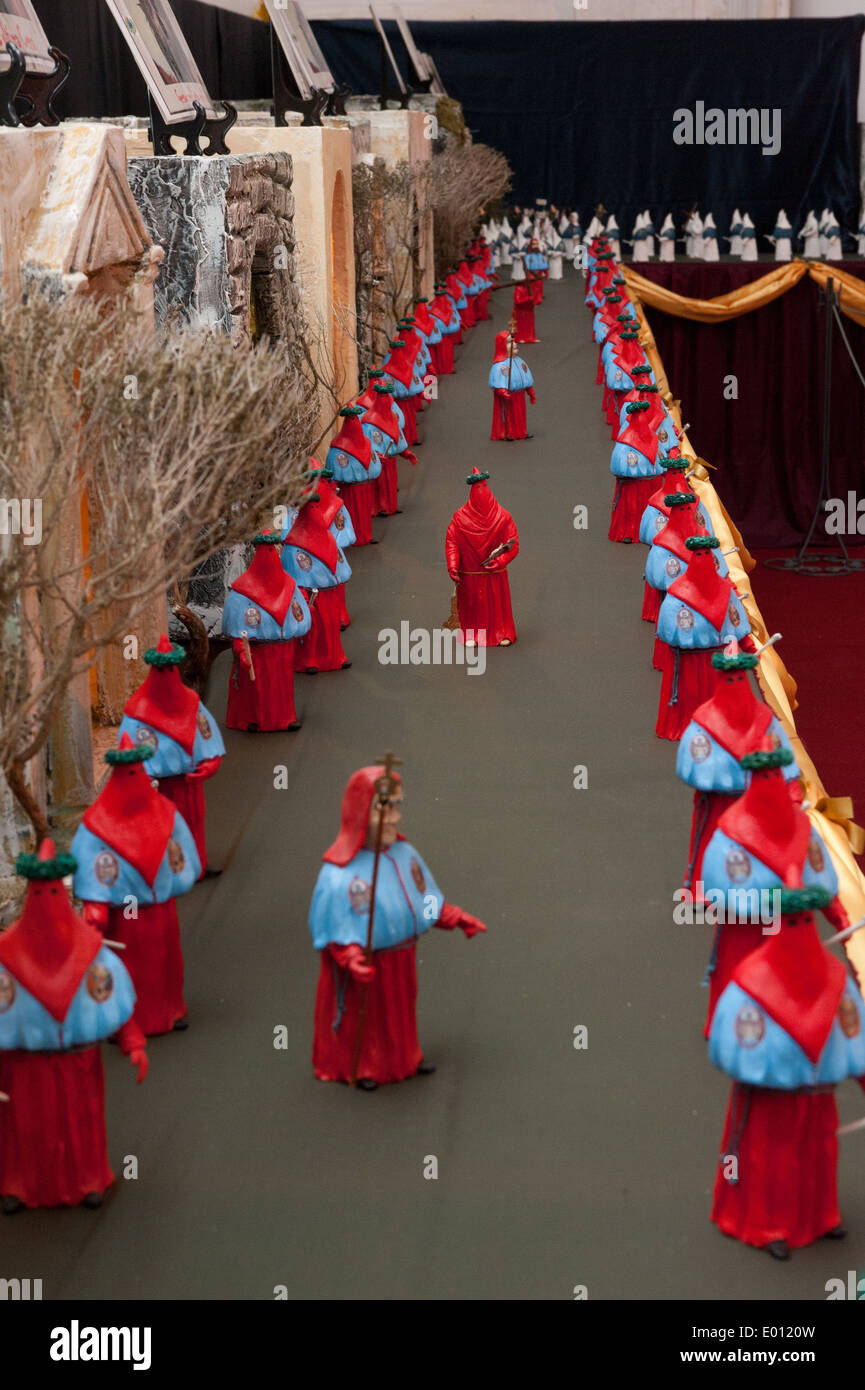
[
  {"x": 796, "y": 980},
  {"x": 465, "y": 273},
  {"x": 628, "y": 353},
  {"x": 356, "y": 804},
  {"x": 674, "y": 481},
  {"x": 766, "y": 822},
  {"x": 382, "y": 414},
  {"x": 366, "y": 398},
  {"x": 352, "y": 439},
  {"x": 639, "y": 434},
  {"x": 165, "y": 703},
  {"x": 308, "y": 533},
  {"x": 412, "y": 340},
  {"x": 422, "y": 318},
  {"x": 399, "y": 364},
  {"x": 266, "y": 582},
  {"x": 655, "y": 413},
  {"x": 329, "y": 501},
  {"x": 442, "y": 307},
  {"x": 500, "y": 353},
  {"x": 50, "y": 947},
  {"x": 735, "y": 718},
  {"x": 456, "y": 289},
  {"x": 482, "y": 520},
  {"x": 130, "y": 815},
  {"x": 682, "y": 524},
  {"x": 702, "y": 588}
]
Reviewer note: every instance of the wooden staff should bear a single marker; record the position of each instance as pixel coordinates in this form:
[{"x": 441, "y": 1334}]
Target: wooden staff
[
  {"x": 384, "y": 788},
  {"x": 244, "y": 637}
]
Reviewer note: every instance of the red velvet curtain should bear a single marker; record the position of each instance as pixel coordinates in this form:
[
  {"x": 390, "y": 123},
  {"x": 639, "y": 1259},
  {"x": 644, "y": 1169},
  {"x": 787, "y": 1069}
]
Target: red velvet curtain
[{"x": 766, "y": 440}]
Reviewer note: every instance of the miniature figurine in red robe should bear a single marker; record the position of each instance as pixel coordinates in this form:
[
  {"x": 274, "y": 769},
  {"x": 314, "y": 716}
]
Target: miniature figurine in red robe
[
  {"x": 524, "y": 313},
  {"x": 264, "y": 613},
  {"x": 481, "y": 542},
  {"x": 135, "y": 855},
  {"x": 356, "y": 466},
  {"x": 62, "y": 993},
  {"x": 511, "y": 381},
  {"x": 187, "y": 745},
  {"x": 787, "y": 1029},
  {"x": 314, "y": 560},
  {"x": 365, "y": 1006}
]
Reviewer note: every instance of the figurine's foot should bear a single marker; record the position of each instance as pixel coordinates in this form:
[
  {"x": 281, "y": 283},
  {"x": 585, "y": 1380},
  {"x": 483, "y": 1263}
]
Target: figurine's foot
[
  {"x": 837, "y": 1232},
  {"x": 309, "y": 670},
  {"x": 345, "y": 665},
  {"x": 372, "y": 541},
  {"x": 92, "y": 1200},
  {"x": 343, "y": 626},
  {"x": 397, "y": 511},
  {"x": 180, "y": 1024},
  {"x": 366, "y": 1083},
  {"x": 528, "y": 436},
  {"x": 210, "y": 872},
  {"x": 628, "y": 540},
  {"x": 778, "y": 1249},
  {"x": 252, "y": 728},
  {"x": 426, "y": 1069},
  {"x": 505, "y": 642},
  {"x": 293, "y": 728},
  {"x": 11, "y": 1205}
]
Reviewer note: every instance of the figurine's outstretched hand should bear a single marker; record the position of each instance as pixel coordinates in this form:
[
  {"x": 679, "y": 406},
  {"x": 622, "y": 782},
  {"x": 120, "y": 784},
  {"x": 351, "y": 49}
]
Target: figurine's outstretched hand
[
  {"x": 139, "y": 1059},
  {"x": 455, "y": 917},
  {"x": 133, "y": 1045}
]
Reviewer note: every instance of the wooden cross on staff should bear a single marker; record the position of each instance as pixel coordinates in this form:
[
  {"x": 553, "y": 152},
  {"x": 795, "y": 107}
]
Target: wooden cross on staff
[{"x": 384, "y": 787}]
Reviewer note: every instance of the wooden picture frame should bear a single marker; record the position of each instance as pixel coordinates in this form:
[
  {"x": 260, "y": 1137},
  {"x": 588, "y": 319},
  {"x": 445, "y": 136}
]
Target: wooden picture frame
[
  {"x": 164, "y": 58},
  {"x": 19, "y": 25},
  {"x": 300, "y": 46}
]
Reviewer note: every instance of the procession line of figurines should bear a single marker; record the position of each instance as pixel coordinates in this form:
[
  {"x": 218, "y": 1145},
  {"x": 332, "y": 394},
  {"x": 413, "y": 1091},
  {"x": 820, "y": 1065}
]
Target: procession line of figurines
[
  {"x": 785, "y": 1016},
  {"x": 558, "y": 237},
  {"x": 115, "y": 971}
]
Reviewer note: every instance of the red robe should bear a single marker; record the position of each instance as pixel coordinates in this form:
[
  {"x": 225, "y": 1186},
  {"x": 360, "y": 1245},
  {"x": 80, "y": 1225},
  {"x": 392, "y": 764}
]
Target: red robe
[
  {"x": 390, "y": 1050},
  {"x": 524, "y": 313},
  {"x": 267, "y": 701},
  {"x": 483, "y": 595}
]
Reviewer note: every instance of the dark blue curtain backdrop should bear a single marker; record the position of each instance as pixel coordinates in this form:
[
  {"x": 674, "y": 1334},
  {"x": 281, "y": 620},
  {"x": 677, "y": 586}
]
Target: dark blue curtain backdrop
[{"x": 583, "y": 111}]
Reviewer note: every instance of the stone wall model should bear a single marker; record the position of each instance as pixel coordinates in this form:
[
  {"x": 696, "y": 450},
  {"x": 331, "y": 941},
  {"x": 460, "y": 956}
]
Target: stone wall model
[{"x": 226, "y": 223}]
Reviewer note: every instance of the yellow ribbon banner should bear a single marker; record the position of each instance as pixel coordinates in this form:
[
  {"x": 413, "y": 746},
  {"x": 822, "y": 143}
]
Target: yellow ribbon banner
[
  {"x": 832, "y": 817},
  {"x": 752, "y": 296}
]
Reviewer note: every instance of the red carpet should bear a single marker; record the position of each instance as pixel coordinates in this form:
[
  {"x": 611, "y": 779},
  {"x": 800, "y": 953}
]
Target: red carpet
[{"x": 822, "y": 620}]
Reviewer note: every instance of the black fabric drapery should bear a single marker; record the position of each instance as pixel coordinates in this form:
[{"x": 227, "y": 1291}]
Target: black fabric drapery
[
  {"x": 583, "y": 111},
  {"x": 767, "y": 442}
]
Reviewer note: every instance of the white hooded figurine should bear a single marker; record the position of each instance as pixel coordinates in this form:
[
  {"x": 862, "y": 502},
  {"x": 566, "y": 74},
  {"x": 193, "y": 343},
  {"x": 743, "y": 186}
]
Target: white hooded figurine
[
  {"x": 860, "y": 237},
  {"x": 782, "y": 237},
  {"x": 735, "y": 236},
  {"x": 613, "y": 236},
  {"x": 525, "y": 225},
  {"x": 649, "y": 229},
  {"x": 710, "y": 239},
  {"x": 518, "y": 245},
  {"x": 749, "y": 239},
  {"x": 696, "y": 229},
  {"x": 809, "y": 233},
  {"x": 832, "y": 233},
  {"x": 638, "y": 241},
  {"x": 594, "y": 229},
  {"x": 574, "y": 237},
  {"x": 821, "y": 231},
  {"x": 506, "y": 236},
  {"x": 555, "y": 255},
  {"x": 563, "y": 223},
  {"x": 667, "y": 240}
]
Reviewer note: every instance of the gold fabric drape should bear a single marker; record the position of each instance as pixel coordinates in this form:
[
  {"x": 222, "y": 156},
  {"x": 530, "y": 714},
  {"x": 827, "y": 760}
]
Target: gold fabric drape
[
  {"x": 830, "y": 816},
  {"x": 751, "y": 296}
]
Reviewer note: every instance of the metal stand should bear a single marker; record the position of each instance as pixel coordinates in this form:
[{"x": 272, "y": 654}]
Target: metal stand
[
  {"x": 38, "y": 90},
  {"x": 336, "y": 100},
  {"x": 191, "y": 131},
  {"x": 10, "y": 82},
  {"x": 286, "y": 93},
  {"x": 822, "y": 562}
]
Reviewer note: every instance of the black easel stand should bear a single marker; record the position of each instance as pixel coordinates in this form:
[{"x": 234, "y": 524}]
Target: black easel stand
[
  {"x": 821, "y": 562},
  {"x": 336, "y": 100},
  {"x": 191, "y": 131},
  {"x": 38, "y": 89},
  {"x": 10, "y": 83},
  {"x": 386, "y": 94},
  {"x": 286, "y": 93}
]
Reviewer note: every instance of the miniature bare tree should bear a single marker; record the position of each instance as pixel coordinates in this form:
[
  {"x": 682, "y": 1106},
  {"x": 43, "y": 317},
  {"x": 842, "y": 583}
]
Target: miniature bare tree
[
  {"x": 157, "y": 450},
  {"x": 386, "y": 203},
  {"x": 464, "y": 180}
]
